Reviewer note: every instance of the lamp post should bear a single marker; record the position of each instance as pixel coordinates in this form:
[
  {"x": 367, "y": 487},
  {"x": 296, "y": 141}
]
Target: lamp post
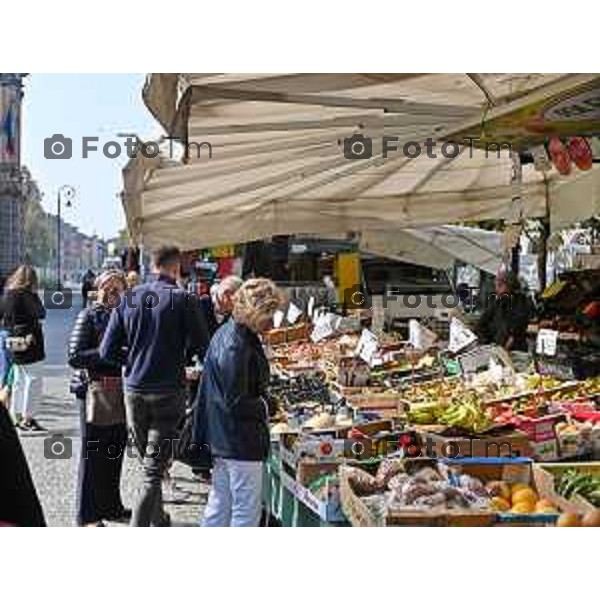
[{"x": 68, "y": 191}]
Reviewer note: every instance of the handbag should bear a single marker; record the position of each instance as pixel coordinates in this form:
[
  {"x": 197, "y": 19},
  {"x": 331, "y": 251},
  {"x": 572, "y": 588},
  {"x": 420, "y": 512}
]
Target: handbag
[
  {"x": 104, "y": 401},
  {"x": 17, "y": 344}
]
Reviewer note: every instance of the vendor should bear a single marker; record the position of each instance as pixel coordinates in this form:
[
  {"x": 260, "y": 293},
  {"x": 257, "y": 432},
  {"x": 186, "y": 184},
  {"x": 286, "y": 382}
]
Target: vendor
[{"x": 506, "y": 316}]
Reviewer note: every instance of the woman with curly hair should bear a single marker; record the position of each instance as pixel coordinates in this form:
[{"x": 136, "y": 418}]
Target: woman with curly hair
[{"x": 232, "y": 415}]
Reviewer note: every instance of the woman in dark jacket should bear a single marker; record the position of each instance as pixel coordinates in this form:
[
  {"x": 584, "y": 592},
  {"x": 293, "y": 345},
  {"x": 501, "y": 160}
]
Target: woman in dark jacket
[
  {"x": 103, "y": 430},
  {"x": 232, "y": 415},
  {"x": 20, "y": 314}
]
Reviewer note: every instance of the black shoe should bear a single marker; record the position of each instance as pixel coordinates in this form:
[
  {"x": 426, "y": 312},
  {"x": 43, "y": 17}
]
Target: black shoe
[
  {"x": 123, "y": 516},
  {"x": 30, "y": 425}
]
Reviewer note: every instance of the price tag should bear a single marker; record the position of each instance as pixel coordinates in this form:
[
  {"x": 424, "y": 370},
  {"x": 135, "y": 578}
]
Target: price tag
[
  {"x": 546, "y": 342},
  {"x": 293, "y": 313},
  {"x": 278, "y": 318},
  {"x": 323, "y": 327},
  {"x": 419, "y": 337},
  {"x": 460, "y": 335},
  {"x": 367, "y": 347}
]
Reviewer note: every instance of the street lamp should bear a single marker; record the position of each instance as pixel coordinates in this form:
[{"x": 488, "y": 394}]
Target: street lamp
[{"x": 68, "y": 192}]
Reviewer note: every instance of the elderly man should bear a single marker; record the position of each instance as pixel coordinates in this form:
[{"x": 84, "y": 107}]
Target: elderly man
[{"x": 219, "y": 305}]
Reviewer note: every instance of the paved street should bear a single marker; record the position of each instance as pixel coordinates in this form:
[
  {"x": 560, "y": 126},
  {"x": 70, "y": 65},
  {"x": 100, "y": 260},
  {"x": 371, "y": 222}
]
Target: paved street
[{"x": 57, "y": 410}]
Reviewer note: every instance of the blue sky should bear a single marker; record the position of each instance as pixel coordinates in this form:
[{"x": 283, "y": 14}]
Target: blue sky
[{"x": 78, "y": 105}]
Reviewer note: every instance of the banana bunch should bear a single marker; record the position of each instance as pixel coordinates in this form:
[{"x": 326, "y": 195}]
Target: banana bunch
[
  {"x": 425, "y": 413},
  {"x": 466, "y": 414}
]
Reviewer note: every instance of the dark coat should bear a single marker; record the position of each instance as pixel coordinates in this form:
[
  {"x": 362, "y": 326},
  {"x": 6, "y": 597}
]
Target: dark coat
[
  {"x": 84, "y": 343},
  {"x": 504, "y": 318},
  {"x": 20, "y": 314},
  {"x": 19, "y": 503},
  {"x": 160, "y": 325},
  {"x": 231, "y": 414}
]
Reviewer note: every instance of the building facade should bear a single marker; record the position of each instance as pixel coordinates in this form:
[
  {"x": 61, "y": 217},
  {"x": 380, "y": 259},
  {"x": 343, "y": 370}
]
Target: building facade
[{"x": 11, "y": 184}]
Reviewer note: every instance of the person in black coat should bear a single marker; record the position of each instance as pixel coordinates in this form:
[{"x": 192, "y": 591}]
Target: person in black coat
[
  {"x": 102, "y": 410},
  {"x": 19, "y": 503},
  {"x": 20, "y": 314},
  {"x": 232, "y": 416},
  {"x": 506, "y": 316}
]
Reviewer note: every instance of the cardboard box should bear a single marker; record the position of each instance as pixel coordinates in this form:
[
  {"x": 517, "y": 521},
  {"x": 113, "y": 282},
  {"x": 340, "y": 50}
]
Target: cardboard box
[{"x": 489, "y": 446}]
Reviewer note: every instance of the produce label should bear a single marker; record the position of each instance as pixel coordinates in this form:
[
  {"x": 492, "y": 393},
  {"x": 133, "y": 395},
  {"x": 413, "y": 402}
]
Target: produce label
[
  {"x": 368, "y": 346},
  {"x": 419, "y": 337},
  {"x": 293, "y": 313},
  {"x": 546, "y": 342},
  {"x": 460, "y": 335}
]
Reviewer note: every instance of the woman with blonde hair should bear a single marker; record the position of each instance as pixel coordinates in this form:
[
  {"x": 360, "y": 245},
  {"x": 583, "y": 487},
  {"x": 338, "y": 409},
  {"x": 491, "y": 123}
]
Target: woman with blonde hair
[
  {"x": 102, "y": 411},
  {"x": 20, "y": 314},
  {"x": 232, "y": 415}
]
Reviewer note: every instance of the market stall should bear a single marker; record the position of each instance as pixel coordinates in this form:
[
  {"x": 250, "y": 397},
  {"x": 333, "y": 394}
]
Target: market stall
[
  {"x": 353, "y": 404},
  {"x": 374, "y": 429}
]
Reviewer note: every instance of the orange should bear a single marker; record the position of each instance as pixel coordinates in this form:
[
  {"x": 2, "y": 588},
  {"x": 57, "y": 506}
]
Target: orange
[
  {"x": 545, "y": 506},
  {"x": 523, "y": 508},
  {"x": 515, "y": 487},
  {"x": 499, "y": 504},
  {"x": 568, "y": 520},
  {"x": 525, "y": 495}
]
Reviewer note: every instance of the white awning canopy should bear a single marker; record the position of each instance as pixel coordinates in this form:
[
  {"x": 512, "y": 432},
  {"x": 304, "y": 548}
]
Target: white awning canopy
[
  {"x": 278, "y": 163},
  {"x": 438, "y": 247}
]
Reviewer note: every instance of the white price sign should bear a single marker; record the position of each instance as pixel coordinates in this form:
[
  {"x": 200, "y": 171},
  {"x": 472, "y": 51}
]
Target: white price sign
[
  {"x": 460, "y": 335},
  {"x": 323, "y": 327},
  {"x": 419, "y": 337},
  {"x": 368, "y": 346},
  {"x": 293, "y": 313},
  {"x": 546, "y": 342}
]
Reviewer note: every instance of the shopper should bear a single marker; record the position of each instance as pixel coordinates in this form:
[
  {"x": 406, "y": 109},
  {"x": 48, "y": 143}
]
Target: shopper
[
  {"x": 133, "y": 279},
  {"x": 218, "y": 306},
  {"x": 87, "y": 285},
  {"x": 20, "y": 314},
  {"x": 506, "y": 316},
  {"x": 233, "y": 416},
  {"x": 19, "y": 503},
  {"x": 158, "y": 327},
  {"x": 102, "y": 409}
]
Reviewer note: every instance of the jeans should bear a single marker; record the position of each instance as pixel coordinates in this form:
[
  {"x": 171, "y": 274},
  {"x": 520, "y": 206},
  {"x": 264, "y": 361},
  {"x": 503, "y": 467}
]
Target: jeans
[
  {"x": 153, "y": 420},
  {"x": 236, "y": 494}
]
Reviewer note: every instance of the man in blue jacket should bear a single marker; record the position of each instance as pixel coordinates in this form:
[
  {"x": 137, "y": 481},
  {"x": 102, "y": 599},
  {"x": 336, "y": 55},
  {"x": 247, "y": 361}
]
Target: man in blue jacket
[{"x": 158, "y": 324}]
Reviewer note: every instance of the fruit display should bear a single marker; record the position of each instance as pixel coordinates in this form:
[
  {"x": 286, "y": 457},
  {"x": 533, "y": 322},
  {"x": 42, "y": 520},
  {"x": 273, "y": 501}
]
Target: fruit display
[
  {"x": 438, "y": 486},
  {"x": 465, "y": 413},
  {"x": 587, "y": 485},
  {"x": 415, "y": 487},
  {"x": 518, "y": 498}
]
